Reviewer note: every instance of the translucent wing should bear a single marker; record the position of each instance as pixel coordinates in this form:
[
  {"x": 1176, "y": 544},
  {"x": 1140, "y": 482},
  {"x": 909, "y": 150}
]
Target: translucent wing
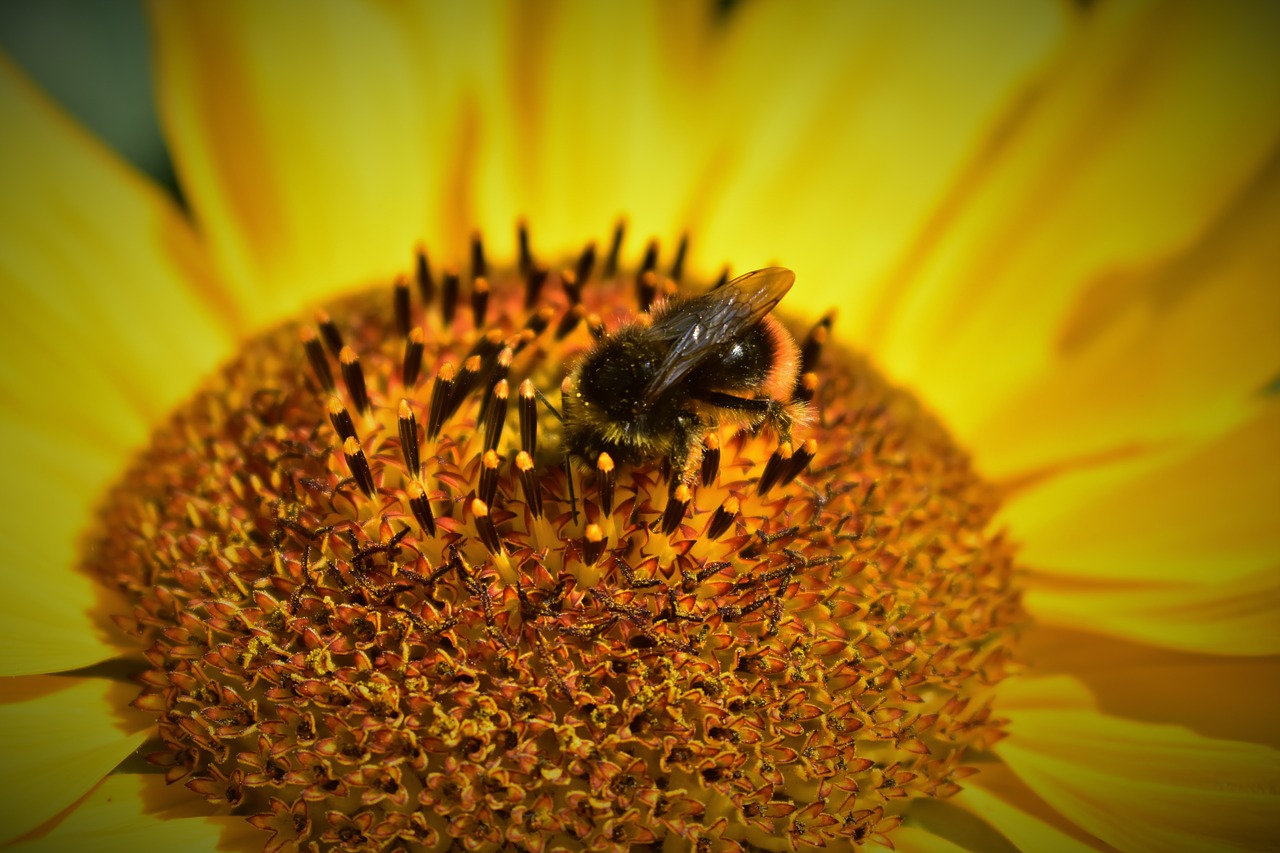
[{"x": 698, "y": 327}]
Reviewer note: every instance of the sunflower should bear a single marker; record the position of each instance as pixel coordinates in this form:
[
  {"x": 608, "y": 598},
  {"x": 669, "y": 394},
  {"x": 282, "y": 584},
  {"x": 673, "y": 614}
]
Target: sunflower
[{"x": 1052, "y": 225}]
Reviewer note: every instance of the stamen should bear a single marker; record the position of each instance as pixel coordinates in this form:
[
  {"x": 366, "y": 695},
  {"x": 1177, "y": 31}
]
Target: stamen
[
  {"x": 811, "y": 349},
  {"x": 485, "y": 527},
  {"x": 800, "y": 461},
  {"x": 413, "y": 357},
  {"x": 526, "y": 256},
  {"x": 607, "y": 477},
  {"x": 615, "y": 249},
  {"x": 650, "y": 261},
  {"x": 479, "y": 269},
  {"x": 400, "y": 301},
  {"x": 533, "y": 283},
  {"x": 595, "y": 326},
  {"x": 359, "y": 465},
  {"x": 426, "y": 283},
  {"x": 421, "y": 508},
  {"x": 315, "y": 355},
  {"x": 570, "y": 321},
  {"x": 440, "y": 394},
  {"x": 466, "y": 382},
  {"x": 677, "y": 503},
  {"x": 647, "y": 289},
  {"x": 778, "y": 464},
  {"x": 572, "y": 286},
  {"x": 529, "y": 483},
  {"x": 449, "y": 297},
  {"x": 341, "y": 419},
  {"x": 722, "y": 518},
  {"x": 677, "y": 265},
  {"x": 408, "y": 423},
  {"x": 722, "y": 280},
  {"x": 586, "y": 263},
  {"x": 479, "y": 302},
  {"x": 806, "y": 387},
  {"x": 496, "y": 415},
  {"x": 528, "y": 418},
  {"x": 488, "y": 486},
  {"x": 538, "y": 322},
  {"x": 353, "y": 378},
  {"x": 710, "y": 458},
  {"x": 592, "y": 544}
]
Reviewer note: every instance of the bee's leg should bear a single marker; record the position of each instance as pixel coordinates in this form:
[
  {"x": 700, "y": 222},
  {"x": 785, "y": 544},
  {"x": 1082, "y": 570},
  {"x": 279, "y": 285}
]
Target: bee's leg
[
  {"x": 779, "y": 417},
  {"x": 686, "y": 451}
]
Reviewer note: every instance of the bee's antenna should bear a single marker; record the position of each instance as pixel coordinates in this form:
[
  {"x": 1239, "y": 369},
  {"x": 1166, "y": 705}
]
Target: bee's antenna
[
  {"x": 573, "y": 499},
  {"x": 551, "y": 408}
]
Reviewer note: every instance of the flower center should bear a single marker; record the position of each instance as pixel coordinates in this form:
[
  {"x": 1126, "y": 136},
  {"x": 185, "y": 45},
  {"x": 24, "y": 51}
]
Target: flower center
[{"x": 381, "y": 610}]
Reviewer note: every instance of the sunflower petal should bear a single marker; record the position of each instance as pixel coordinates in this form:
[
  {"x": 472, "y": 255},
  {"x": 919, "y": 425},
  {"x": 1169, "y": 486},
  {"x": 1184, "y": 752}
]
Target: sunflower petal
[
  {"x": 1150, "y": 128},
  {"x": 111, "y": 280},
  {"x": 914, "y": 839},
  {"x": 867, "y": 130},
  {"x": 305, "y": 142},
  {"x": 1000, "y": 799},
  {"x": 59, "y": 737},
  {"x": 1138, "y": 786},
  {"x": 1190, "y": 515},
  {"x": 118, "y": 817}
]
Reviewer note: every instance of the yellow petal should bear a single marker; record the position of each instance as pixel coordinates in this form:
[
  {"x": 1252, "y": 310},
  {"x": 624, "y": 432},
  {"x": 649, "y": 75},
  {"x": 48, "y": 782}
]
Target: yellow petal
[
  {"x": 1237, "y": 616},
  {"x": 1000, "y": 799},
  {"x": 1196, "y": 514},
  {"x": 307, "y": 144},
  {"x": 597, "y": 113},
  {"x": 117, "y": 326},
  {"x": 1152, "y": 125},
  {"x": 119, "y": 816},
  {"x": 1138, "y": 786},
  {"x": 914, "y": 839},
  {"x": 59, "y": 737},
  {"x": 846, "y": 129}
]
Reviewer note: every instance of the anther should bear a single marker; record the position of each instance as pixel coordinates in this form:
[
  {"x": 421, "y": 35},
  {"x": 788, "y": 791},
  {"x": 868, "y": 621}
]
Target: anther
[
  {"x": 529, "y": 483},
  {"x": 677, "y": 503},
  {"x": 467, "y": 379},
  {"x": 496, "y": 415},
  {"x": 421, "y": 508},
  {"x": 528, "y": 418},
  {"x": 586, "y": 263},
  {"x": 570, "y": 321},
  {"x": 353, "y": 378},
  {"x": 595, "y": 326},
  {"x": 811, "y": 349},
  {"x": 572, "y": 286},
  {"x": 607, "y": 478},
  {"x": 409, "y": 439},
  {"x": 677, "y": 265},
  {"x": 440, "y": 394},
  {"x": 315, "y": 355},
  {"x": 485, "y": 526},
  {"x": 329, "y": 332},
  {"x": 615, "y": 250},
  {"x": 650, "y": 261},
  {"x": 488, "y": 486},
  {"x": 341, "y": 419},
  {"x": 647, "y": 289},
  {"x": 799, "y": 461},
  {"x": 539, "y": 320},
  {"x": 479, "y": 302},
  {"x": 778, "y": 464},
  {"x": 400, "y": 302},
  {"x": 359, "y": 465},
  {"x": 426, "y": 283},
  {"x": 533, "y": 283},
  {"x": 722, "y": 518},
  {"x": 412, "y": 357},
  {"x": 526, "y": 256},
  {"x": 449, "y": 297},
  {"x": 592, "y": 544},
  {"x": 710, "y": 458},
  {"x": 722, "y": 280},
  {"x": 479, "y": 269},
  {"x": 806, "y": 387}
]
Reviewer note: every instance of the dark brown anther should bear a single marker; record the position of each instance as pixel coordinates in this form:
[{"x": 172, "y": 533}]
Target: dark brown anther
[
  {"x": 421, "y": 508},
  {"x": 480, "y": 302},
  {"x": 341, "y": 419},
  {"x": 722, "y": 518},
  {"x": 570, "y": 321},
  {"x": 529, "y": 483},
  {"x": 496, "y": 415},
  {"x": 586, "y": 263},
  {"x": 649, "y": 263},
  {"x": 488, "y": 486},
  {"x": 677, "y": 503},
  {"x": 710, "y": 458},
  {"x": 595, "y": 326},
  {"x": 400, "y": 303},
  {"x": 353, "y": 378},
  {"x": 607, "y": 478},
  {"x": 497, "y": 372},
  {"x": 528, "y": 418},
  {"x": 811, "y": 349},
  {"x": 359, "y": 465},
  {"x": 449, "y": 297},
  {"x": 677, "y": 266},
  {"x": 440, "y": 394},
  {"x": 409, "y": 440},
  {"x": 593, "y": 543},
  {"x": 806, "y": 387},
  {"x": 540, "y": 320},
  {"x": 479, "y": 269},
  {"x": 329, "y": 332},
  {"x": 777, "y": 465},
  {"x": 615, "y": 250},
  {"x": 466, "y": 382},
  {"x": 722, "y": 280},
  {"x": 647, "y": 289},
  {"x": 572, "y": 286},
  {"x": 485, "y": 526},
  {"x": 412, "y": 357},
  {"x": 533, "y": 283},
  {"x": 799, "y": 461},
  {"x": 426, "y": 282},
  {"x": 526, "y": 254},
  {"x": 315, "y": 355}
]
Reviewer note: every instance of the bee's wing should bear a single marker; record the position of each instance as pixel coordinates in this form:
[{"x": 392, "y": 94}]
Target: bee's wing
[{"x": 703, "y": 324}]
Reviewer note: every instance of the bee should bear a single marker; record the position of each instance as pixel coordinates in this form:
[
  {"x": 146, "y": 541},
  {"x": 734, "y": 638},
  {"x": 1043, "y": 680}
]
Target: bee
[{"x": 653, "y": 388}]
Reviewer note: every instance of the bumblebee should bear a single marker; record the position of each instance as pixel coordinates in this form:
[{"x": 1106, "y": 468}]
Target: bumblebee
[{"x": 653, "y": 388}]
